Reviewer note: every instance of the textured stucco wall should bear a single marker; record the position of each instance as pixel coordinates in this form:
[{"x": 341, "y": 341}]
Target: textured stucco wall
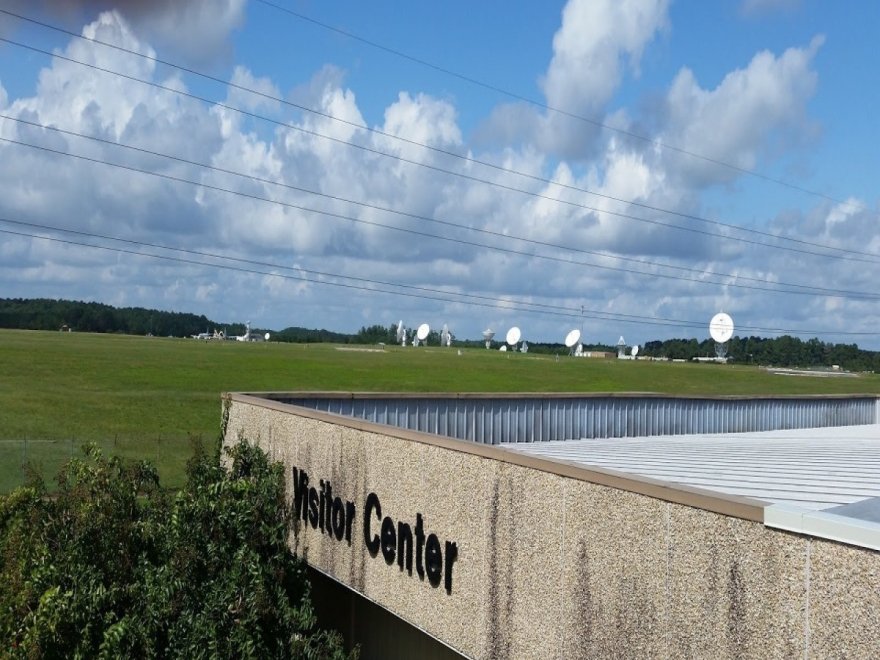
[{"x": 554, "y": 566}]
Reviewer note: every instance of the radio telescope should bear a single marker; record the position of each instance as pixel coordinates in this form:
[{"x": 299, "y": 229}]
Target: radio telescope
[
  {"x": 634, "y": 351},
  {"x": 513, "y": 336},
  {"x": 488, "y": 335},
  {"x": 621, "y": 347},
  {"x": 445, "y": 336},
  {"x": 401, "y": 333},
  {"x": 721, "y": 330},
  {"x": 422, "y": 334},
  {"x": 571, "y": 340}
]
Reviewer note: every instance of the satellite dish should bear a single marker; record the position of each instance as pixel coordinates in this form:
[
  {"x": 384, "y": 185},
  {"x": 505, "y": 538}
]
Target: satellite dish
[
  {"x": 445, "y": 336},
  {"x": 721, "y": 327},
  {"x": 266, "y": 336},
  {"x": 422, "y": 332},
  {"x": 572, "y": 338},
  {"x": 488, "y": 335},
  {"x": 401, "y": 333},
  {"x": 513, "y": 336},
  {"x": 635, "y": 350},
  {"x": 503, "y": 348}
]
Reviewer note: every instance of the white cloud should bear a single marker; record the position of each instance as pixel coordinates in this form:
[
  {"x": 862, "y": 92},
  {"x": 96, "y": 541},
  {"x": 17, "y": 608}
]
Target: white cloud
[
  {"x": 196, "y": 30},
  {"x": 596, "y": 41},
  {"x": 735, "y": 122}
]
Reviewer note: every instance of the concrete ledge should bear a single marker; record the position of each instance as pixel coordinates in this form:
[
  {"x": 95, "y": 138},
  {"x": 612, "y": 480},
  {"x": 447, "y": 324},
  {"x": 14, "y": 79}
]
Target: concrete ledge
[
  {"x": 728, "y": 505},
  {"x": 852, "y": 531}
]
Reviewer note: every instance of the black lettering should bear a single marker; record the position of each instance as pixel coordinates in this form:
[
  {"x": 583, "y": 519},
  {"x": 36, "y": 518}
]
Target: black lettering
[
  {"x": 300, "y": 493},
  {"x": 420, "y": 542},
  {"x": 451, "y": 556},
  {"x": 404, "y": 547},
  {"x": 338, "y": 519},
  {"x": 322, "y": 516},
  {"x": 389, "y": 540},
  {"x": 330, "y": 506},
  {"x": 313, "y": 508},
  {"x": 372, "y": 542},
  {"x": 433, "y": 559},
  {"x": 349, "y": 517}
]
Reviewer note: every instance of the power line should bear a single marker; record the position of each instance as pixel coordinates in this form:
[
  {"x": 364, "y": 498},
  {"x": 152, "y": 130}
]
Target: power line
[
  {"x": 497, "y": 303},
  {"x": 532, "y": 255},
  {"x": 465, "y": 158},
  {"x": 805, "y": 289},
  {"x": 543, "y": 106}
]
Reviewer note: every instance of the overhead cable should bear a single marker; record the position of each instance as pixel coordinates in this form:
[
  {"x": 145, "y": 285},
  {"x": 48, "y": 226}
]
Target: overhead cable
[
  {"x": 531, "y": 255},
  {"x": 807, "y": 289},
  {"x": 287, "y": 126},
  {"x": 503, "y": 303}
]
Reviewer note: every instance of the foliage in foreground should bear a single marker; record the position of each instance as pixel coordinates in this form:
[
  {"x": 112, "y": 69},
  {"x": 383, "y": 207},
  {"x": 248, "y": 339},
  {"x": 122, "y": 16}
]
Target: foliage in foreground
[{"x": 111, "y": 565}]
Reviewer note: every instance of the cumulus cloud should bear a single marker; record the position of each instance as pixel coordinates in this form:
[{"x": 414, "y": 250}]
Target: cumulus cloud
[
  {"x": 598, "y": 43},
  {"x": 735, "y": 122},
  {"x": 196, "y": 30},
  {"x": 595, "y": 44}
]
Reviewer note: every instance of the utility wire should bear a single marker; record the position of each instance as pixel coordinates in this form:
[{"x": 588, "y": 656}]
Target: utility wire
[
  {"x": 531, "y": 255},
  {"x": 543, "y": 106},
  {"x": 497, "y": 303},
  {"x": 805, "y": 289},
  {"x": 502, "y": 303},
  {"x": 425, "y": 146}
]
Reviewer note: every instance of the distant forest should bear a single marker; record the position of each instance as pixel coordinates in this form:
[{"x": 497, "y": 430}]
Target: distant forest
[{"x": 46, "y": 314}]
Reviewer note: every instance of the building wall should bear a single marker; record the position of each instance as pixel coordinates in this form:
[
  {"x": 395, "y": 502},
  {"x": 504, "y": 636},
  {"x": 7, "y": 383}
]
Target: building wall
[{"x": 559, "y": 561}]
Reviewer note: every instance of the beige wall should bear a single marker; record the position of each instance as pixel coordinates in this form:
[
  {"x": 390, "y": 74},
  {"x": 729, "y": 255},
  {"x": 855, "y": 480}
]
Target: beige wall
[{"x": 552, "y": 565}]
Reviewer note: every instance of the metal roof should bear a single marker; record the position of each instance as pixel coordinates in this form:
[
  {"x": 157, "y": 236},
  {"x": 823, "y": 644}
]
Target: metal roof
[{"x": 812, "y": 469}]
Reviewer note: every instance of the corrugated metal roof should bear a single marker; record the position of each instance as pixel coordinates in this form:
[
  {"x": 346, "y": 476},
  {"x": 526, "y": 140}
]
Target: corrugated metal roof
[{"x": 810, "y": 468}]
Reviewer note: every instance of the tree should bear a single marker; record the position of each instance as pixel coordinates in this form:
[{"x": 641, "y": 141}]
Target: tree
[{"x": 112, "y": 565}]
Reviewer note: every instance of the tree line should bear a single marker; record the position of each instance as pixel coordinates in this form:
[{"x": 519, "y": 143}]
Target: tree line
[
  {"x": 47, "y": 314},
  {"x": 785, "y": 351}
]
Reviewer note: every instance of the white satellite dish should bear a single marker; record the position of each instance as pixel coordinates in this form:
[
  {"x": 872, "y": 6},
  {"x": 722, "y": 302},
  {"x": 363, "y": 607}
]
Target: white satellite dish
[
  {"x": 635, "y": 350},
  {"x": 445, "y": 336},
  {"x": 513, "y": 336},
  {"x": 572, "y": 338},
  {"x": 266, "y": 336},
  {"x": 488, "y": 335},
  {"x": 503, "y": 348},
  {"x": 422, "y": 332},
  {"x": 721, "y": 327},
  {"x": 401, "y": 333}
]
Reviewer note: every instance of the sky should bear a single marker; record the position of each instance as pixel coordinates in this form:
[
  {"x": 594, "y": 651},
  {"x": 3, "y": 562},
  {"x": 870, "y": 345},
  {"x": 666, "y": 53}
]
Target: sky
[{"x": 625, "y": 167}]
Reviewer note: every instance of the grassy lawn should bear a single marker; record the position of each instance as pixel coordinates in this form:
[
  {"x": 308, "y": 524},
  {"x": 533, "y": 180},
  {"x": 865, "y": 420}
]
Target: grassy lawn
[{"x": 145, "y": 396}]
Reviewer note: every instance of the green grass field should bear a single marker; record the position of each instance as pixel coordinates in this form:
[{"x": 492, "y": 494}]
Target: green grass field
[{"x": 145, "y": 396}]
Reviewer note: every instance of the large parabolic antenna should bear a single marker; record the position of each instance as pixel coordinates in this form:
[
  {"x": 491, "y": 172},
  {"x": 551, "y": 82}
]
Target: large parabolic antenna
[
  {"x": 634, "y": 351},
  {"x": 445, "y": 336},
  {"x": 513, "y": 336},
  {"x": 488, "y": 336},
  {"x": 721, "y": 330},
  {"x": 401, "y": 333},
  {"x": 721, "y": 327},
  {"x": 422, "y": 332},
  {"x": 572, "y": 339}
]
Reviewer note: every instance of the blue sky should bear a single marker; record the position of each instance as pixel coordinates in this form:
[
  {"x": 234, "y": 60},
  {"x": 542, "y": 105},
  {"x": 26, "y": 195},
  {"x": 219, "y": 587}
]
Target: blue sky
[{"x": 783, "y": 88}]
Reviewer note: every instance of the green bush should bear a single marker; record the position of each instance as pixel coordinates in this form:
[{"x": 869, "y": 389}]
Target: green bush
[{"x": 111, "y": 565}]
